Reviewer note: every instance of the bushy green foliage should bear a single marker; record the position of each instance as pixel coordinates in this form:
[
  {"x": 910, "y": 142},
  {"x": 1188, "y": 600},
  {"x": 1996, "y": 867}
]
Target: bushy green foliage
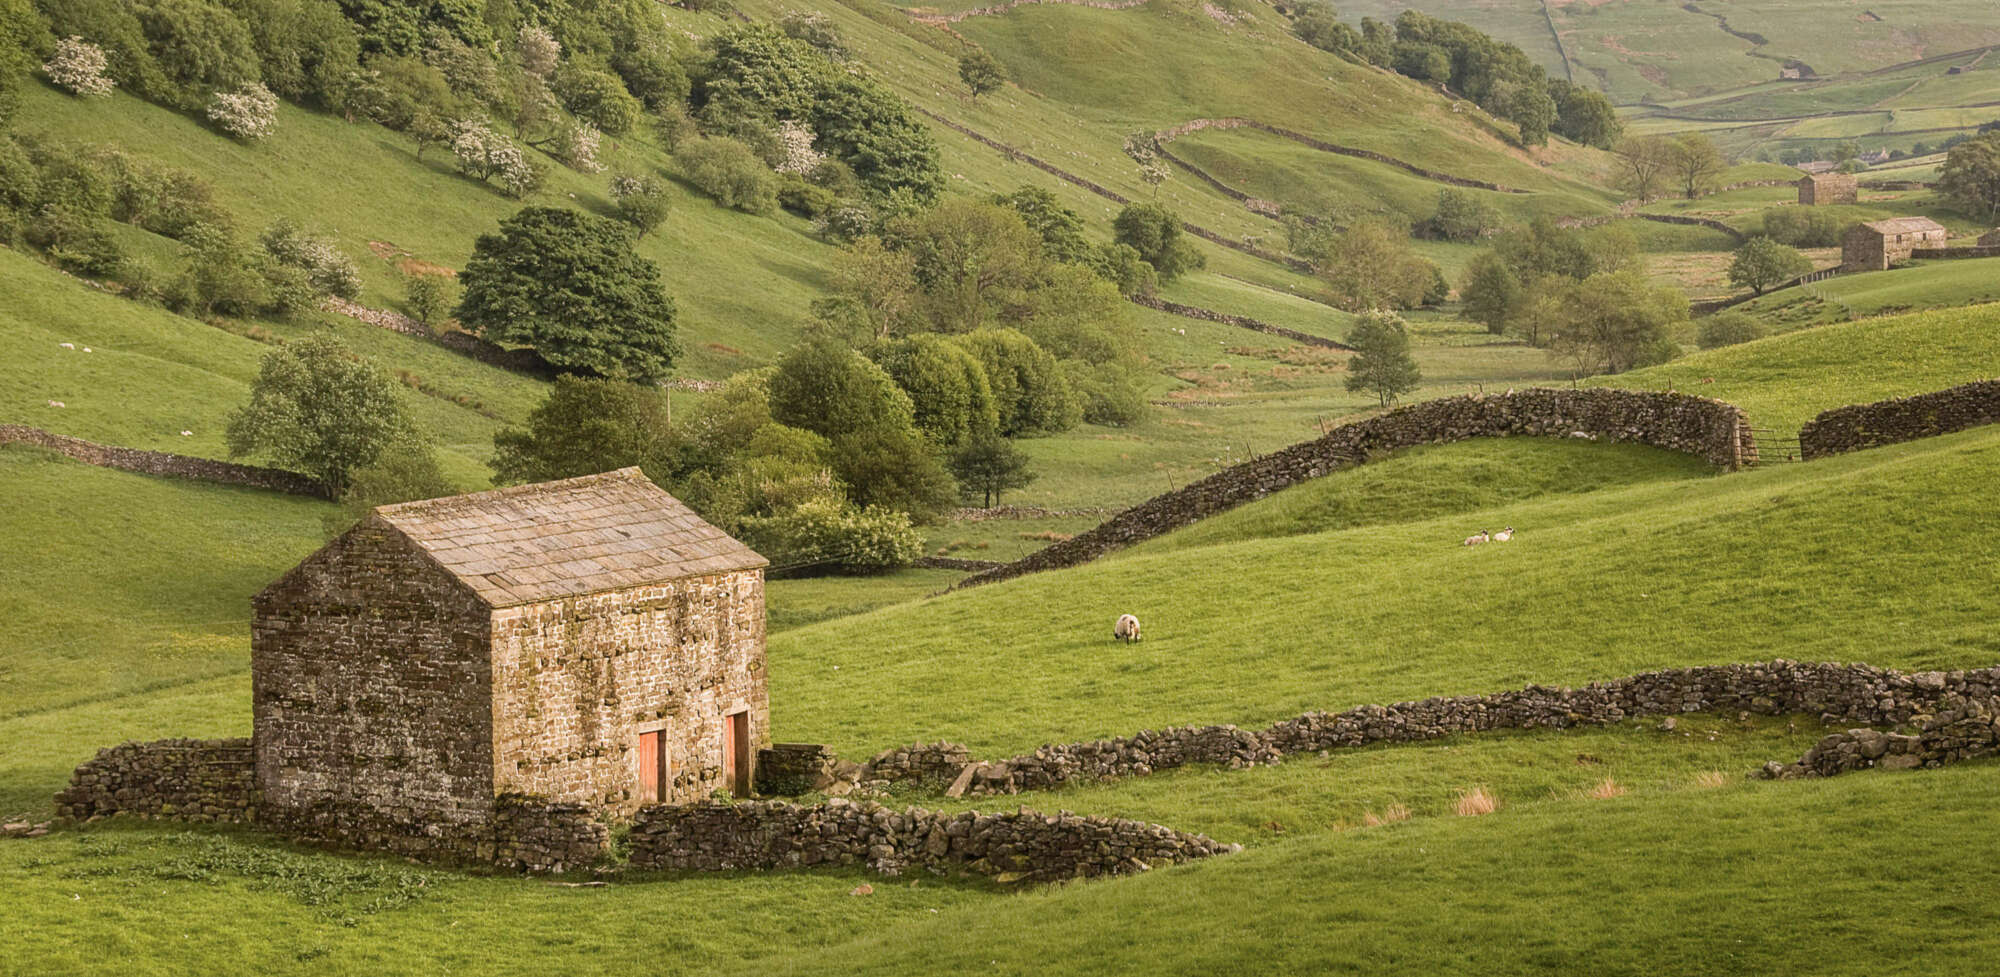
[
  {"x": 988, "y": 467},
  {"x": 1060, "y": 228},
  {"x": 1803, "y": 227},
  {"x": 400, "y": 92},
  {"x": 1460, "y": 216},
  {"x": 950, "y": 397},
  {"x": 1584, "y": 115},
  {"x": 399, "y": 26},
  {"x": 429, "y": 297},
  {"x": 570, "y": 285},
  {"x": 1155, "y": 232},
  {"x": 318, "y": 409},
  {"x": 1373, "y": 266},
  {"x": 1123, "y": 266},
  {"x": 1762, "y": 263},
  {"x": 199, "y": 46},
  {"x": 970, "y": 259},
  {"x": 405, "y": 471},
  {"x": 824, "y": 387},
  {"x": 1490, "y": 293},
  {"x": 1382, "y": 364},
  {"x": 597, "y": 97},
  {"x": 827, "y": 533},
  {"x": 800, "y": 196},
  {"x": 329, "y": 271},
  {"x": 1971, "y": 176},
  {"x": 307, "y": 51},
  {"x": 586, "y": 426},
  {"x": 981, "y": 71},
  {"x": 1317, "y": 24},
  {"x": 1728, "y": 328},
  {"x": 865, "y": 126},
  {"x": 641, "y": 201},
  {"x": 1610, "y": 322},
  {"x": 1030, "y": 391},
  {"x": 114, "y": 26},
  {"x": 729, "y": 171},
  {"x": 1110, "y": 393}
]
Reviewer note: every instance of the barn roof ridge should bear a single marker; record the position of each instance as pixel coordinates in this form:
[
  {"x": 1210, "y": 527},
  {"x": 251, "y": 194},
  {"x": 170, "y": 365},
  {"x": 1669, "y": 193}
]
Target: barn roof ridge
[
  {"x": 567, "y": 538},
  {"x": 1896, "y": 225}
]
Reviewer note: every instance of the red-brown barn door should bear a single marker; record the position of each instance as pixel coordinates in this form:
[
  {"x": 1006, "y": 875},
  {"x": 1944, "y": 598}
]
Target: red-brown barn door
[
  {"x": 736, "y": 753},
  {"x": 652, "y": 767}
]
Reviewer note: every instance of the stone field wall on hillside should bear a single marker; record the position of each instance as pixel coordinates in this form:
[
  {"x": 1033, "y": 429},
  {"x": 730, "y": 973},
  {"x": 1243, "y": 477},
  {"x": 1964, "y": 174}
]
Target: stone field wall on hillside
[
  {"x": 1708, "y": 429},
  {"x": 164, "y": 463},
  {"x": 1899, "y": 419}
]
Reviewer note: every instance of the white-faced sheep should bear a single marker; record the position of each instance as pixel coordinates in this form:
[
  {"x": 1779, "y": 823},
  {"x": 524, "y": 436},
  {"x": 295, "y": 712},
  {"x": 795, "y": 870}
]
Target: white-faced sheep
[
  {"x": 1477, "y": 538},
  {"x": 1504, "y": 535},
  {"x": 1127, "y": 628}
]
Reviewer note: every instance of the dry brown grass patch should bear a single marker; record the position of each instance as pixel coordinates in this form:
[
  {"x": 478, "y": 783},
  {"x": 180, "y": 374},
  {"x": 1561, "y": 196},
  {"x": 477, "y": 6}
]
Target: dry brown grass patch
[
  {"x": 1711, "y": 778},
  {"x": 1389, "y": 815},
  {"x": 1607, "y": 789},
  {"x": 1476, "y": 802}
]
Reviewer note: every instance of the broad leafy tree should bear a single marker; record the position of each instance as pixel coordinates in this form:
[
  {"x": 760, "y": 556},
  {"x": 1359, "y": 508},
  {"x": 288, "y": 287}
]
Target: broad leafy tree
[
  {"x": 1382, "y": 364},
  {"x": 1971, "y": 176},
  {"x": 570, "y": 285},
  {"x": 988, "y": 467},
  {"x": 1761, "y": 263},
  {"x": 318, "y": 409},
  {"x": 981, "y": 72},
  {"x": 1155, "y": 232},
  {"x": 586, "y": 426}
]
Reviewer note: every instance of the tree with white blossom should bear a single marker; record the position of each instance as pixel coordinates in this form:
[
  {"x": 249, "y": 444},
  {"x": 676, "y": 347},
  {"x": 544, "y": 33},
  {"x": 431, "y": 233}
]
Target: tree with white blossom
[
  {"x": 250, "y": 112},
  {"x": 485, "y": 154},
  {"x": 79, "y": 66},
  {"x": 795, "y": 141},
  {"x": 539, "y": 51}
]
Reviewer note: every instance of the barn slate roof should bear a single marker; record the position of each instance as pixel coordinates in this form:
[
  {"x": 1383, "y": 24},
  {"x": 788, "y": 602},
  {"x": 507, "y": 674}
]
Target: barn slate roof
[
  {"x": 566, "y": 538},
  {"x": 1904, "y": 225}
]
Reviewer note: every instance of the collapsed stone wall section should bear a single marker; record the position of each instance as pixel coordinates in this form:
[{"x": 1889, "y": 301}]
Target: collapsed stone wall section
[
  {"x": 165, "y": 464},
  {"x": 1900, "y": 419},
  {"x": 1965, "y": 728},
  {"x": 1836, "y": 693},
  {"x": 1709, "y": 429},
  {"x": 1018, "y": 845}
]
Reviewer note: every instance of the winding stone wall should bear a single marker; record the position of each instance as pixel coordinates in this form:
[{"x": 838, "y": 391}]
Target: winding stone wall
[
  {"x": 1710, "y": 429},
  {"x": 164, "y": 463},
  {"x": 525, "y": 361},
  {"x": 1240, "y": 321},
  {"x": 1836, "y": 693},
  {"x": 1899, "y": 419},
  {"x": 1168, "y": 135},
  {"x": 1018, "y": 845}
]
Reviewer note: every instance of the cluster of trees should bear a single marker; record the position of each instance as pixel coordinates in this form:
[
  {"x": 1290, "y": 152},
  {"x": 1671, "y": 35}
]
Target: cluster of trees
[
  {"x": 1971, "y": 176},
  {"x": 1368, "y": 266},
  {"x": 1495, "y": 75},
  {"x": 1689, "y": 162},
  {"x": 61, "y": 198},
  {"x": 1578, "y": 293}
]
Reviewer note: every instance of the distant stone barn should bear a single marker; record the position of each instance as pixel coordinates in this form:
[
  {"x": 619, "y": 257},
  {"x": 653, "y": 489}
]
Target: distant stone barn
[
  {"x": 1877, "y": 245},
  {"x": 588, "y": 641},
  {"x": 1820, "y": 189}
]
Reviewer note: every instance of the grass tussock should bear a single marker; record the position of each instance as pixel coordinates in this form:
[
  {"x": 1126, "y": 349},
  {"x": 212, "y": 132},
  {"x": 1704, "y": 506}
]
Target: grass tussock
[
  {"x": 1712, "y": 778},
  {"x": 1606, "y": 789},
  {"x": 1476, "y": 802},
  {"x": 1390, "y": 815}
]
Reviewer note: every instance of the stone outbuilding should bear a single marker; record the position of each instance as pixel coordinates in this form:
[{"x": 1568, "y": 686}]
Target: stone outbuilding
[
  {"x": 588, "y": 642},
  {"x": 1820, "y": 189},
  {"x": 1876, "y": 245}
]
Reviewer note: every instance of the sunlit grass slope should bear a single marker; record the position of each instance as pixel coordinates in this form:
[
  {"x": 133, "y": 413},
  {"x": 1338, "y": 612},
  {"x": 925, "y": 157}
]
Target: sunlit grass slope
[{"x": 1788, "y": 561}]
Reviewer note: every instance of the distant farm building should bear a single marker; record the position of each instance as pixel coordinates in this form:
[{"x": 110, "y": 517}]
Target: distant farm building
[
  {"x": 587, "y": 641},
  {"x": 1819, "y": 189},
  {"x": 1876, "y": 245}
]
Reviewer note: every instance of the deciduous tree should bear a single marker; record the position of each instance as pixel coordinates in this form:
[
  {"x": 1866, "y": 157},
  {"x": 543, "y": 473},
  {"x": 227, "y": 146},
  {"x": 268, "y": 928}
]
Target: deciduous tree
[
  {"x": 1761, "y": 263},
  {"x": 318, "y": 409},
  {"x": 1382, "y": 364}
]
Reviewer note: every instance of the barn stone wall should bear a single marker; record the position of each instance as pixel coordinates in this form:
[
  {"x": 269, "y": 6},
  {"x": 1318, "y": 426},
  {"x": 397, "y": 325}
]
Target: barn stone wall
[
  {"x": 1018, "y": 845},
  {"x": 1708, "y": 429},
  {"x": 1837, "y": 693},
  {"x": 163, "y": 463},
  {"x": 1899, "y": 419},
  {"x": 371, "y": 685},
  {"x": 576, "y": 681}
]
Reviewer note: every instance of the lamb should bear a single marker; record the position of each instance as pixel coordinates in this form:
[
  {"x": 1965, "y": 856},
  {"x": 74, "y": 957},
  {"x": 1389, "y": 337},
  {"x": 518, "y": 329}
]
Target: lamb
[
  {"x": 1477, "y": 538},
  {"x": 1127, "y": 629},
  {"x": 1504, "y": 535}
]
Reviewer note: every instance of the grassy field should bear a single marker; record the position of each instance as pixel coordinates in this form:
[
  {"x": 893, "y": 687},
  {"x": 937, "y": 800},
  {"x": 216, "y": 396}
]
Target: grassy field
[{"x": 1929, "y": 284}]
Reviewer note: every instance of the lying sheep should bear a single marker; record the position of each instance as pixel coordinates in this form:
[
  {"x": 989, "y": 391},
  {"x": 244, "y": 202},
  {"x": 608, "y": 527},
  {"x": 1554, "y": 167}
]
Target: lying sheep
[
  {"x": 1504, "y": 535},
  {"x": 1127, "y": 629},
  {"x": 1477, "y": 538}
]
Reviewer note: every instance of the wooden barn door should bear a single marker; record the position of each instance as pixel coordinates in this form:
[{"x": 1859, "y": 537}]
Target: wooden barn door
[
  {"x": 736, "y": 755},
  {"x": 652, "y": 767}
]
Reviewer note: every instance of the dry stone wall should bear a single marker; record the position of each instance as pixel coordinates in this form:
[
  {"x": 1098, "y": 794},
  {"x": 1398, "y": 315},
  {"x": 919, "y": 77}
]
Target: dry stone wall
[
  {"x": 1836, "y": 693},
  {"x": 1899, "y": 419},
  {"x": 1168, "y": 135},
  {"x": 215, "y": 781},
  {"x": 1708, "y": 429},
  {"x": 1019, "y": 845},
  {"x": 1965, "y": 728},
  {"x": 164, "y": 463},
  {"x": 1240, "y": 321}
]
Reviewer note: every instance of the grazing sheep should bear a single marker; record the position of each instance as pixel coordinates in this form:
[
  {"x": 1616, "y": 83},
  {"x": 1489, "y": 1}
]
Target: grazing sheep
[
  {"x": 1477, "y": 538},
  {"x": 1504, "y": 535},
  {"x": 187, "y": 434},
  {"x": 56, "y": 403},
  {"x": 67, "y": 345},
  {"x": 1127, "y": 629}
]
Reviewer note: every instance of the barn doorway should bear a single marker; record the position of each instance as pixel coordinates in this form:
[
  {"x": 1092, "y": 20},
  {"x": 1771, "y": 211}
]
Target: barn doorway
[
  {"x": 653, "y": 779},
  {"x": 736, "y": 754}
]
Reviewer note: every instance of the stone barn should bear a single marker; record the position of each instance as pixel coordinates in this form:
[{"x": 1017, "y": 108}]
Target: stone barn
[
  {"x": 1819, "y": 189},
  {"x": 588, "y": 642},
  {"x": 1876, "y": 245}
]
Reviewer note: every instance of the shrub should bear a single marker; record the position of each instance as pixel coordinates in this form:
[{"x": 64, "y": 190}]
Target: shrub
[
  {"x": 220, "y": 276},
  {"x": 429, "y": 296},
  {"x": 404, "y": 471},
  {"x": 327, "y": 270},
  {"x": 1803, "y": 227},
  {"x": 308, "y": 51},
  {"x": 598, "y": 98},
  {"x": 641, "y": 201},
  {"x": 804, "y": 199},
  {"x": 1728, "y": 329},
  {"x": 653, "y": 77},
  {"x": 577, "y": 145},
  {"x": 825, "y": 532},
  {"x": 76, "y": 241},
  {"x": 867, "y": 127},
  {"x": 1154, "y": 232},
  {"x": 730, "y": 172},
  {"x": 949, "y": 393},
  {"x": 585, "y": 426},
  {"x": 79, "y": 66},
  {"x": 795, "y": 153},
  {"x": 1030, "y": 391},
  {"x": 1122, "y": 265},
  {"x": 1460, "y": 217},
  {"x": 815, "y": 29},
  {"x": 986, "y": 467},
  {"x": 249, "y": 113},
  {"x": 847, "y": 222},
  {"x": 199, "y": 47},
  {"x": 673, "y": 125},
  {"x": 1109, "y": 393}
]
